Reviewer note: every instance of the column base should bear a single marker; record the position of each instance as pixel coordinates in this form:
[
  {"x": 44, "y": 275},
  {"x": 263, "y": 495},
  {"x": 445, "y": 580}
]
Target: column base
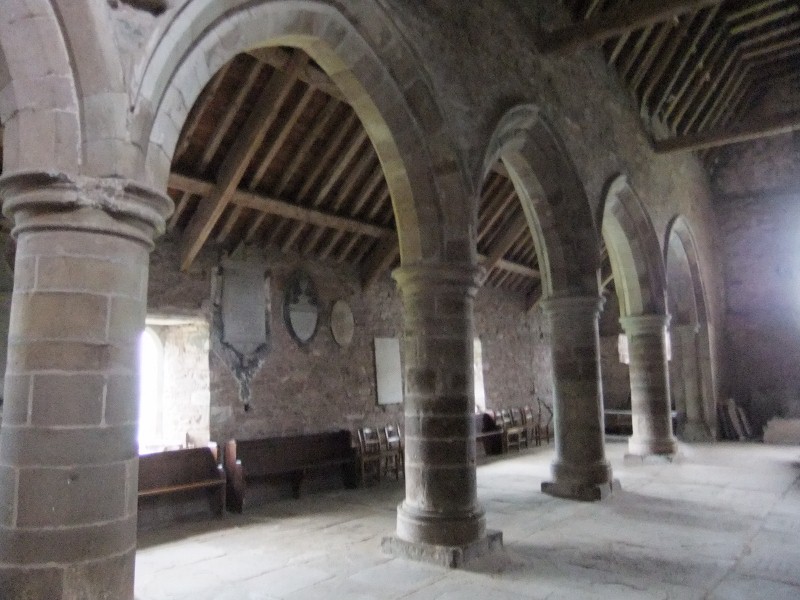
[
  {"x": 452, "y": 557},
  {"x": 637, "y": 460},
  {"x": 652, "y": 447},
  {"x": 583, "y": 492},
  {"x": 439, "y": 529}
]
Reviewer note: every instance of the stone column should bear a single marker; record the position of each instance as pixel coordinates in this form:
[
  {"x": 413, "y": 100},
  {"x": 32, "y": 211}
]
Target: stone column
[
  {"x": 650, "y": 399},
  {"x": 580, "y": 469},
  {"x": 68, "y": 448},
  {"x": 440, "y": 519}
]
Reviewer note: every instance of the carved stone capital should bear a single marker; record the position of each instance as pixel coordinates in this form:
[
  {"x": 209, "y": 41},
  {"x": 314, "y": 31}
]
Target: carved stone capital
[{"x": 38, "y": 200}]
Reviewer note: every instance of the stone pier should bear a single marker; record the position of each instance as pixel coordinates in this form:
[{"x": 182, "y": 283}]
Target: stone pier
[
  {"x": 650, "y": 397},
  {"x": 440, "y": 519},
  {"x": 68, "y": 448},
  {"x": 580, "y": 469}
]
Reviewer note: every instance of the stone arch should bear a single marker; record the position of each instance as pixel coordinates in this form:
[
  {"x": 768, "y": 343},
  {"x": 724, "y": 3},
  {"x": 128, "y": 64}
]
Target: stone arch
[
  {"x": 553, "y": 199},
  {"x": 634, "y": 251},
  {"x": 369, "y": 62},
  {"x": 691, "y": 373},
  {"x": 39, "y": 106}
]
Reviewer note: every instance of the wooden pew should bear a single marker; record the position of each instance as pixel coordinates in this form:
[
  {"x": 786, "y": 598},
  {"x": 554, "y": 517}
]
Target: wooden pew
[
  {"x": 489, "y": 433},
  {"x": 185, "y": 470},
  {"x": 292, "y": 457}
]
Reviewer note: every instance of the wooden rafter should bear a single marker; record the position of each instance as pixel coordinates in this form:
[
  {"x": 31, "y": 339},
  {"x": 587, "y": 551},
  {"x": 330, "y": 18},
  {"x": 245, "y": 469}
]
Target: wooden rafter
[
  {"x": 274, "y": 144},
  {"x": 282, "y": 208},
  {"x": 761, "y": 128},
  {"x": 311, "y": 75},
  {"x": 618, "y": 21},
  {"x": 237, "y": 160},
  {"x": 512, "y": 233}
]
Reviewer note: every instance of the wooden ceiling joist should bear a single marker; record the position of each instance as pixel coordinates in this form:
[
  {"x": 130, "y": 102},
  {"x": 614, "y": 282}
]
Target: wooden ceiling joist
[
  {"x": 311, "y": 75},
  {"x": 238, "y": 158},
  {"x": 761, "y": 128},
  {"x": 282, "y": 208},
  {"x": 618, "y": 21},
  {"x": 512, "y": 233}
]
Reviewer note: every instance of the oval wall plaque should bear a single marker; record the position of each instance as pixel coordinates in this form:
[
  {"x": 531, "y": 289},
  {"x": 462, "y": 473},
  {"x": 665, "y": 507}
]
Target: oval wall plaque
[
  {"x": 342, "y": 323},
  {"x": 301, "y": 307}
]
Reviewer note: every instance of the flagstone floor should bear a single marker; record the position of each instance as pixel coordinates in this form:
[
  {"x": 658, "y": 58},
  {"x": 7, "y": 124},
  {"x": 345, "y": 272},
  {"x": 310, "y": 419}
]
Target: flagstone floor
[{"x": 722, "y": 523}]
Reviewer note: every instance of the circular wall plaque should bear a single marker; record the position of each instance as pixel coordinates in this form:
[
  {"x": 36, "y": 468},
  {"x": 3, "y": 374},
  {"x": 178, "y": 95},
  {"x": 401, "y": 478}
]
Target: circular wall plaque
[
  {"x": 301, "y": 307},
  {"x": 342, "y": 324}
]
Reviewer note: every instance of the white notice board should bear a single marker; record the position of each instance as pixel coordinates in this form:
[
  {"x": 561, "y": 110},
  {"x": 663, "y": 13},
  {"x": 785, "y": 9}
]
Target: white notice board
[{"x": 388, "y": 370}]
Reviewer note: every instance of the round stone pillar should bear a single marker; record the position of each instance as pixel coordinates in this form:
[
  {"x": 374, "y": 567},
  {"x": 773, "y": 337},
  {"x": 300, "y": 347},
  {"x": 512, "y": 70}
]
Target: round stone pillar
[
  {"x": 68, "y": 447},
  {"x": 440, "y": 519},
  {"x": 650, "y": 398},
  {"x": 580, "y": 469}
]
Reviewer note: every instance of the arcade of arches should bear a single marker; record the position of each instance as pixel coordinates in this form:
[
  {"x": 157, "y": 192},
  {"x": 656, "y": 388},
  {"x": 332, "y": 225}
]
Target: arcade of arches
[{"x": 245, "y": 166}]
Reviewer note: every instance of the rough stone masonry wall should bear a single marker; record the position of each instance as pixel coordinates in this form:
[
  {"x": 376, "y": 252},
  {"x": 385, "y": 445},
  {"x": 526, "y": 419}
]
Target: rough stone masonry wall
[
  {"x": 322, "y": 386},
  {"x": 759, "y": 214},
  {"x": 480, "y": 59}
]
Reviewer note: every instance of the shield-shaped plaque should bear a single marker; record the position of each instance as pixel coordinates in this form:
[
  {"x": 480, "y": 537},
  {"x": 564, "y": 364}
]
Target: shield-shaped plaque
[{"x": 301, "y": 307}]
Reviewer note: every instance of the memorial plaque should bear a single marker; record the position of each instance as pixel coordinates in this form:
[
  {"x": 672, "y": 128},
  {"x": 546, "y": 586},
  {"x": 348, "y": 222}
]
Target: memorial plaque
[
  {"x": 342, "y": 323},
  {"x": 301, "y": 307}
]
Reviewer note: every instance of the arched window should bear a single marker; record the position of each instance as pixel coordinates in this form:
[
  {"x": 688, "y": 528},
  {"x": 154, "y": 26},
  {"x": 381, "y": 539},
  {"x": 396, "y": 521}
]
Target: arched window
[{"x": 151, "y": 361}]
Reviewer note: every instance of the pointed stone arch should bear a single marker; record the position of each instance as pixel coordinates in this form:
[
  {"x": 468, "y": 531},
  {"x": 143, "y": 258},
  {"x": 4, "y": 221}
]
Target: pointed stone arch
[
  {"x": 564, "y": 234},
  {"x": 634, "y": 250},
  {"x": 373, "y": 68},
  {"x": 553, "y": 199},
  {"x": 692, "y": 374}
]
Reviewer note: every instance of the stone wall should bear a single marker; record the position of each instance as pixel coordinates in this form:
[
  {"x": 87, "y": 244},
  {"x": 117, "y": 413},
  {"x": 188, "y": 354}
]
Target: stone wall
[
  {"x": 759, "y": 216},
  {"x": 577, "y": 94},
  {"x": 323, "y": 386}
]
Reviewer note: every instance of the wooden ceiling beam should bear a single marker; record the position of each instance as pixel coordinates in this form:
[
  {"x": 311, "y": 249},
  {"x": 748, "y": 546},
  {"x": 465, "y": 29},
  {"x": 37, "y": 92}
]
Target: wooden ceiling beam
[
  {"x": 710, "y": 68},
  {"x": 776, "y": 15},
  {"x": 321, "y": 123},
  {"x": 665, "y": 58},
  {"x": 513, "y": 231},
  {"x": 274, "y": 144},
  {"x": 236, "y": 161},
  {"x": 281, "y": 208},
  {"x": 666, "y": 94},
  {"x": 224, "y": 124},
  {"x": 634, "y": 55},
  {"x": 618, "y": 21},
  {"x": 180, "y": 208},
  {"x": 650, "y": 55},
  {"x": 199, "y": 110},
  {"x": 723, "y": 76},
  {"x": 756, "y": 129},
  {"x": 311, "y": 75}
]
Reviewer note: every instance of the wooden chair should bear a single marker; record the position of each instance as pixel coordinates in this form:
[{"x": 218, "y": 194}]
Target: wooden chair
[
  {"x": 545, "y": 428},
  {"x": 519, "y": 421},
  {"x": 393, "y": 451},
  {"x": 532, "y": 425},
  {"x": 370, "y": 455},
  {"x": 512, "y": 434}
]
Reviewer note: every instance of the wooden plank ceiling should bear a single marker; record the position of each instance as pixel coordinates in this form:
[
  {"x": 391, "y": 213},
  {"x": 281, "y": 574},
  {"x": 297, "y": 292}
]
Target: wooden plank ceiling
[
  {"x": 272, "y": 155},
  {"x": 699, "y": 70}
]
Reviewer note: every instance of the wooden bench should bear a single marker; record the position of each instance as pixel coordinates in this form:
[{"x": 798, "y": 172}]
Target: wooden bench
[
  {"x": 291, "y": 457},
  {"x": 488, "y": 433},
  {"x": 186, "y": 470}
]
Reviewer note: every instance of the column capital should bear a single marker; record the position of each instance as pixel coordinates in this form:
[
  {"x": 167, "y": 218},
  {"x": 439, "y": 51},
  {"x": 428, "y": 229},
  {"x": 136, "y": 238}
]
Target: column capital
[
  {"x": 565, "y": 306},
  {"x": 644, "y": 323},
  {"x": 40, "y": 200},
  {"x": 454, "y": 275}
]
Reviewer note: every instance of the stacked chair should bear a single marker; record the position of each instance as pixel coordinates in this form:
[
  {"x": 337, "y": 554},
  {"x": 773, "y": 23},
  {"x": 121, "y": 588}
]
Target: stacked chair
[{"x": 380, "y": 452}]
